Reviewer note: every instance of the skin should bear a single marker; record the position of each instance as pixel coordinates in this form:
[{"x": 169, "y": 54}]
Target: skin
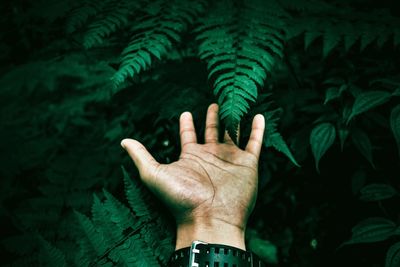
[{"x": 211, "y": 190}]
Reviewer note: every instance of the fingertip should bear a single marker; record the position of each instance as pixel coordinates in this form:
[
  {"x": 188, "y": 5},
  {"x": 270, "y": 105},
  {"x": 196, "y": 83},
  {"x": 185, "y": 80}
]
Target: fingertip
[
  {"x": 185, "y": 115},
  {"x": 213, "y": 106},
  {"x": 260, "y": 117},
  {"x": 128, "y": 143},
  {"x": 123, "y": 143}
]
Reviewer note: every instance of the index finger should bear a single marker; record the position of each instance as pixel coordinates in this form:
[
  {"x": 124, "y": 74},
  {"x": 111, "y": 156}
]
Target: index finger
[
  {"x": 187, "y": 131},
  {"x": 256, "y": 136}
]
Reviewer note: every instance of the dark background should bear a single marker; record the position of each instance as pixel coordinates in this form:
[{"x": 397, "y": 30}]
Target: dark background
[{"x": 61, "y": 124}]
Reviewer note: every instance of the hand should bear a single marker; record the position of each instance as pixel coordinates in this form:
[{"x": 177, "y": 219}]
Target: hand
[{"x": 212, "y": 188}]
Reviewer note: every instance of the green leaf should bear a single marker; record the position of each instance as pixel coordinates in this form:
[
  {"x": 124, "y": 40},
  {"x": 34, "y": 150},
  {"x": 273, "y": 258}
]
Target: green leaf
[
  {"x": 371, "y": 230},
  {"x": 266, "y": 250},
  {"x": 51, "y": 256},
  {"x": 396, "y": 92},
  {"x": 94, "y": 236},
  {"x": 272, "y": 138},
  {"x": 363, "y": 144},
  {"x": 331, "y": 40},
  {"x": 376, "y": 192},
  {"x": 321, "y": 139},
  {"x": 309, "y": 38},
  {"x": 368, "y": 100},
  {"x": 393, "y": 256},
  {"x": 135, "y": 198},
  {"x": 395, "y": 125},
  {"x": 333, "y": 93}
]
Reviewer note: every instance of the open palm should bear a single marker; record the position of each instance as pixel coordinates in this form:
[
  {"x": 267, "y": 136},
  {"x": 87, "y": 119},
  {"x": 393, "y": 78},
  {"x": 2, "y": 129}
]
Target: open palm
[{"x": 211, "y": 180}]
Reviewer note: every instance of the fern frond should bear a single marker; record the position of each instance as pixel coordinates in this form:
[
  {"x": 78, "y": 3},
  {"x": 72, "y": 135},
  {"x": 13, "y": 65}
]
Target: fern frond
[
  {"x": 114, "y": 16},
  {"x": 94, "y": 236},
  {"x": 154, "y": 34},
  {"x": 272, "y": 138},
  {"x": 133, "y": 252},
  {"x": 344, "y": 27},
  {"x": 240, "y": 46},
  {"x": 80, "y": 15},
  {"x": 159, "y": 239},
  {"x": 135, "y": 198},
  {"x": 101, "y": 219},
  {"x": 119, "y": 214},
  {"x": 50, "y": 255}
]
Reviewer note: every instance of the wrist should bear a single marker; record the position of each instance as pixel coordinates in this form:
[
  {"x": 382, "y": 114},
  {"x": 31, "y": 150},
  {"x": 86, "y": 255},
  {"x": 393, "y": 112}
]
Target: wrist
[{"x": 213, "y": 231}]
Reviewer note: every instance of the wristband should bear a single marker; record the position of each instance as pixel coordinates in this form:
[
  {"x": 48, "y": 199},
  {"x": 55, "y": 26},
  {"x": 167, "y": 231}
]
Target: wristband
[{"x": 201, "y": 254}]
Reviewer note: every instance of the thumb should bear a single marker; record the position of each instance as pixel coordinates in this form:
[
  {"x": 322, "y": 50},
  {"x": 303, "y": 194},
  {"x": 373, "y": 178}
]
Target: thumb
[{"x": 143, "y": 160}]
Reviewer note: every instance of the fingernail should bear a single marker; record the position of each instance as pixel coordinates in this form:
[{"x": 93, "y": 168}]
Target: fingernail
[{"x": 123, "y": 144}]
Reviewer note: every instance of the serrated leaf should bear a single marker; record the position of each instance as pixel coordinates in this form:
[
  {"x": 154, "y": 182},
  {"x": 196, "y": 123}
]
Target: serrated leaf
[
  {"x": 368, "y": 100},
  {"x": 331, "y": 40},
  {"x": 395, "y": 125},
  {"x": 310, "y": 37},
  {"x": 272, "y": 138},
  {"x": 393, "y": 256},
  {"x": 371, "y": 230},
  {"x": 363, "y": 144},
  {"x": 376, "y": 192},
  {"x": 321, "y": 139}
]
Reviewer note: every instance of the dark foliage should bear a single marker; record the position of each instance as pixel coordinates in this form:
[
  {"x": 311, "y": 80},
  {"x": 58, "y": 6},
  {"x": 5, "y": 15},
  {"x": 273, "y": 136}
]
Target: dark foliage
[{"x": 79, "y": 76}]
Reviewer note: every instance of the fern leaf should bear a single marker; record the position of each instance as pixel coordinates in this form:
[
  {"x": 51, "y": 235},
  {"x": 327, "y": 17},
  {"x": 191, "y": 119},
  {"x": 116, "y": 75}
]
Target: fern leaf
[
  {"x": 81, "y": 14},
  {"x": 96, "y": 238},
  {"x": 113, "y": 17},
  {"x": 118, "y": 212},
  {"x": 155, "y": 34},
  {"x": 133, "y": 252},
  {"x": 310, "y": 37},
  {"x": 135, "y": 198},
  {"x": 101, "y": 219},
  {"x": 240, "y": 45},
  {"x": 272, "y": 138},
  {"x": 51, "y": 256}
]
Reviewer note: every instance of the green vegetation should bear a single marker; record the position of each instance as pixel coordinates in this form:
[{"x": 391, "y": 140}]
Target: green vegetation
[{"x": 79, "y": 76}]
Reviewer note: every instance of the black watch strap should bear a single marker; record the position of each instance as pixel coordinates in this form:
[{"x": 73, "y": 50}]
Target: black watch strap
[{"x": 201, "y": 254}]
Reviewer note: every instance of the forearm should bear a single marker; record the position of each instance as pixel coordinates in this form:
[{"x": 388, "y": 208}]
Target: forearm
[{"x": 213, "y": 231}]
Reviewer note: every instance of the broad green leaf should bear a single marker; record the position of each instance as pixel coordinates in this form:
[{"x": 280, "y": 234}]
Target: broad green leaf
[
  {"x": 376, "y": 192},
  {"x": 321, "y": 139},
  {"x": 368, "y": 100},
  {"x": 393, "y": 256},
  {"x": 333, "y": 93},
  {"x": 371, "y": 230},
  {"x": 395, "y": 125},
  {"x": 266, "y": 250},
  {"x": 363, "y": 144}
]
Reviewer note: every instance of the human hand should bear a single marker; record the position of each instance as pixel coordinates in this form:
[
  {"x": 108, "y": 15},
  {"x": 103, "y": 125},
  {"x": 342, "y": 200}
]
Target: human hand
[{"x": 212, "y": 188}]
